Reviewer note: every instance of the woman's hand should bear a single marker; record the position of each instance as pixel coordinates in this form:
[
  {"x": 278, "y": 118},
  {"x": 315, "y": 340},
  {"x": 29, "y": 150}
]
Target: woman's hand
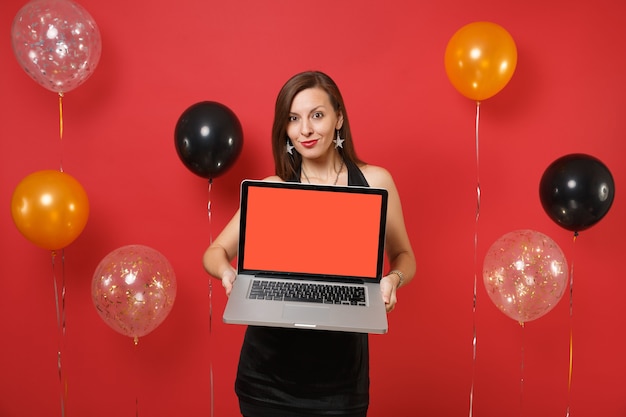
[
  {"x": 228, "y": 278},
  {"x": 388, "y": 286}
]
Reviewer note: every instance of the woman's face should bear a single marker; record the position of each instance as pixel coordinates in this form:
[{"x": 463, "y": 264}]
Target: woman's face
[{"x": 312, "y": 123}]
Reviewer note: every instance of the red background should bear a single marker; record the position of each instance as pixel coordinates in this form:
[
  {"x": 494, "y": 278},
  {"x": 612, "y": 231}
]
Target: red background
[{"x": 158, "y": 58}]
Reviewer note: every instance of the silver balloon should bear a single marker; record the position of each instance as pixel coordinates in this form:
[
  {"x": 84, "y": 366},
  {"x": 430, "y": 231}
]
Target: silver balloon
[{"x": 57, "y": 43}]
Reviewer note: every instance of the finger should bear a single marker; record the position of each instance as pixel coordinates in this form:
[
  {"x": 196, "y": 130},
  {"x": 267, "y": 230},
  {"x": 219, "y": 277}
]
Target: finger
[
  {"x": 391, "y": 305},
  {"x": 228, "y": 287},
  {"x": 385, "y": 291}
]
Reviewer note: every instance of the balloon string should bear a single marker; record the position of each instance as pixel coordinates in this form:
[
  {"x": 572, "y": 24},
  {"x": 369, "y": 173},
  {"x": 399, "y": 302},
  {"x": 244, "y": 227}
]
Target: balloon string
[
  {"x": 210, "y": 218},
  {"x": 209, "y": 211},
  {"x": 571, "y": 328},
  {"x": 59, "y": 301},
  {"x": 136, "y": 362},
  {"x": 522, "y": 366},
  {"x": 477, "y": 147},
  {"x": 61, "y": 128},
  {"x": 471, "y": 400}
]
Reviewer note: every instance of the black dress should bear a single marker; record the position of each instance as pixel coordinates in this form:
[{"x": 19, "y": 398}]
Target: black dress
[{"x": 304, "y": 373}]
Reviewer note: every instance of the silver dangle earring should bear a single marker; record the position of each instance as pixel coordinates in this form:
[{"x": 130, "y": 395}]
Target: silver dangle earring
[
  {"x": 338, "y": 141},
  {"x": 289, "y": 147}
]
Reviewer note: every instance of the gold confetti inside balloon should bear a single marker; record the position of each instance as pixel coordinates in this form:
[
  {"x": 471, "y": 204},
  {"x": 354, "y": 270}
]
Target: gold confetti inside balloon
[
  {"x": 525, "y": 274},
  {"x": 133, "y": 290}
]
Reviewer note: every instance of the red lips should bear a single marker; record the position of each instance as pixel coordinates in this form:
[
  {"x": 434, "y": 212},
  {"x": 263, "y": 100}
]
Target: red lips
[{"x": 309, "y": 143}]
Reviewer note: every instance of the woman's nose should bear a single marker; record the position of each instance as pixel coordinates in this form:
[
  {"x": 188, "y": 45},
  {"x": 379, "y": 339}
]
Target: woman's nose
[{"x": 306, "y": 128}]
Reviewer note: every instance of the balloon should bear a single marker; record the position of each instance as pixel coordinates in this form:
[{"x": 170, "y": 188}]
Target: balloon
[
  {"x": 57, "y": 43},
  {"x": 50, "y": 208},
  {"x": 525, "y": 274},
  {"x": 576, "y": 191},
  {"x": 133, "y": 289},
  {"x": 480, "y": 59},
  {"x": 208, "y": 138}
]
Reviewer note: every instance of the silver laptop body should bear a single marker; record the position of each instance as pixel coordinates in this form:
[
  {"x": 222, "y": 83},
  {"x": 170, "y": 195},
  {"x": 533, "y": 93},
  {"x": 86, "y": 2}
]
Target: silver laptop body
[{"x": 310, "y": 257}]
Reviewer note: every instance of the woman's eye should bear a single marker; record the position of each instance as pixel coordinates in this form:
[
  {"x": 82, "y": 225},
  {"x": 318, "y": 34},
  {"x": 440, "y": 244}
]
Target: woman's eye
[
  {"x": 318, "y": 115},
  {"x": 293, "y": 118}
]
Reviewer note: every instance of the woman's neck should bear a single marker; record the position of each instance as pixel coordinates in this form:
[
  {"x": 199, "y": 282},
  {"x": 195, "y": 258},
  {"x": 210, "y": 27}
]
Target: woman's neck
[{"x": 326, "y": 171}]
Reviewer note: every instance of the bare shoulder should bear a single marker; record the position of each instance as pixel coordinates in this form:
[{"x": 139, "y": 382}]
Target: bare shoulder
[
  {"x": 377, "y": 176},
  {"x": 273, "y": 178}
]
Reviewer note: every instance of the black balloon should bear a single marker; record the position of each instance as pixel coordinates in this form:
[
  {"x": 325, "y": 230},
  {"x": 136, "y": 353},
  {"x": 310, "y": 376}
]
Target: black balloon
[
  {"x": 208, "y": 138},
  {"x": 576, "y": 191}
]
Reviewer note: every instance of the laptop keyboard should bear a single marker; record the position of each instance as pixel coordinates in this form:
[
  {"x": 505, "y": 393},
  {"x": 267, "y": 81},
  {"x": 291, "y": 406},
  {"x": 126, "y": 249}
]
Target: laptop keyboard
[{"x": 307, "y": 292}]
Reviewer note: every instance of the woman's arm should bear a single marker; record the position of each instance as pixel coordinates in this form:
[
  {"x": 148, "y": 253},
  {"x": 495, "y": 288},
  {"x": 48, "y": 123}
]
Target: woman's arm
[
  {"x": 397, "y": 244},
  {"x": 218, "y": 257}
]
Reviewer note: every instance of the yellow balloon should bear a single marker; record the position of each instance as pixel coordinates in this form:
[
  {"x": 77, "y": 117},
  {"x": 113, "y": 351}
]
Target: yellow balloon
[
  {"x": 50, "y": 208},
  {"x": 480, "y": 60}
]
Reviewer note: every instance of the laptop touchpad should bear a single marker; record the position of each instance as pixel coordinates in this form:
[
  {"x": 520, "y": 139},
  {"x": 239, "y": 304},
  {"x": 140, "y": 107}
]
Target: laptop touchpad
[{"x": 305, "y": 314}]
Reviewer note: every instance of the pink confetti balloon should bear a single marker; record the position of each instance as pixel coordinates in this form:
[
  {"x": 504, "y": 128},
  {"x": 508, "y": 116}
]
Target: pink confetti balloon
[
  {"x": 57, "y": 43},
  {"x": 133, "y": 290},
  {"x": 525, "y": 274}
]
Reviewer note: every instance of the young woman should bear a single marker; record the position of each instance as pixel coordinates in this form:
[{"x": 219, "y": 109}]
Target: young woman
[{"x": 296, "y": 372}]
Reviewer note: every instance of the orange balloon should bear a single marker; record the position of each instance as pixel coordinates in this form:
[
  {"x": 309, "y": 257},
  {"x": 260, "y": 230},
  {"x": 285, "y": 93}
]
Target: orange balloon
[
  {"x": 480, "y": 60},
  {"x": 50, "y": 208}
]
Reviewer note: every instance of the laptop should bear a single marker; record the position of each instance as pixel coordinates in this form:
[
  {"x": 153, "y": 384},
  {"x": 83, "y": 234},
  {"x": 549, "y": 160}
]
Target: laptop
[{"x": 310, "y": 257}]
